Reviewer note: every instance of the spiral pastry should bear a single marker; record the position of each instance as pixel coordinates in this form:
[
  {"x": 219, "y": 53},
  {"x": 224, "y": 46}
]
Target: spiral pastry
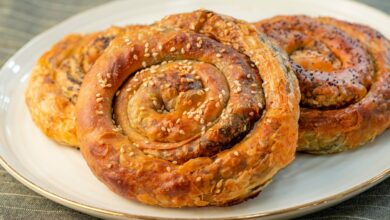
[
  {"x": 55, "y": 82},
  {"x": 343, "y": 71},
  {"x": 198, "y": 109}
]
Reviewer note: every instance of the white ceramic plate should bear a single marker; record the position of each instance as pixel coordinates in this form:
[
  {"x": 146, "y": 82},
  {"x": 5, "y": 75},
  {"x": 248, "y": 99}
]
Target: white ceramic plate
[{"x": 60, "y": 173}]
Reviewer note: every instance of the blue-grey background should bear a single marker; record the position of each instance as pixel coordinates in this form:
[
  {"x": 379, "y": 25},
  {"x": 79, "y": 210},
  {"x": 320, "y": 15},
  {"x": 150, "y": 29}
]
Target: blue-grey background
[{"x": 21, "y": 20}]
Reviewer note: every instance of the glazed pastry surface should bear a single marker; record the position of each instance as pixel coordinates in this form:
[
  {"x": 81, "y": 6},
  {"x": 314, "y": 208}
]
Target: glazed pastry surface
[
  {"x": 198, "y": 109},
  {"x": 344, "y": 77},
  {"x": 54, "y": 85}
]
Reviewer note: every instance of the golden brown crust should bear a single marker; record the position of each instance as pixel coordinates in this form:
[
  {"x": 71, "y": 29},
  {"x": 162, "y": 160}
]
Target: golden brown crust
[
  {"x": 55, "y": 82},
  {"x": 202, "y": 164},
  {"x": 348, "y": 67}
]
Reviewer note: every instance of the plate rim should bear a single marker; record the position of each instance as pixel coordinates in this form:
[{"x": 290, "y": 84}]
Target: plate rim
[
  {"x": 303, "y": 207},
  {"x": 92, "y": 210}
]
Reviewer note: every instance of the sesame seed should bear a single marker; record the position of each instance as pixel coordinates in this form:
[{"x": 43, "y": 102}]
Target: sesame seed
[
  {"x": 174, "y": 162},
  {"x": 178, "y": 121},
  {"x": 100, "y": 99},
  {"x": 163, "y": 128},
  {"x": 117, "y": 92},
  {"x": 217, "y": 191},
  {"x": 99, "y": 112},
  {"x": 154, "y": 54},
  {"x": 198, "y": 179},
  {"x": 251, "y": 113},
  {"x": 109, "y": 166},
  {"x": 168, "y": 169},
  {"x": 144, "y": 64},
  {"x": 197, "y": 117},
  {"x": 236, "y": 153},
  {"x": 181, "y": 131},
  {"x": 201, "y": 121},
  {"x": 219, "y": 184},
  {"x": 122, "y": 150},
  {"x": 147, "y": 142},
  {"x": 219, "y": 55},
  {"x": 172, "y": 49},
  {"x": 98, "y": 95},
  {"x": 147, "y": 55},
  {"x": 182, "y": 51},
  {"x": 135, "y": 57},
  {"x": 248, "y": 76},
  {"x": 160, "y": 47},
  {"x": 131, "y": 154},
  {"x": 188, "y": 46}
]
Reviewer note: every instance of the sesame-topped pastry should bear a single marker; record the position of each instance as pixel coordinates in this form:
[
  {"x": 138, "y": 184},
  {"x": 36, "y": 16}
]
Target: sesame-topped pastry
[
  {"x": 344, "y": 76},
  {"x": 198, "y": 109},
  {"x": 53, "y": 88}
]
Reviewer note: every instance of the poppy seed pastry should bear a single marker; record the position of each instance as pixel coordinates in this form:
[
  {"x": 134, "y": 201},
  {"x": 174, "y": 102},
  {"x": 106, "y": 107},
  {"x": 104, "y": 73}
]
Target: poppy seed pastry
[
  {"x": 343, "y": 71},
  {"x": 198, "y": 109}
]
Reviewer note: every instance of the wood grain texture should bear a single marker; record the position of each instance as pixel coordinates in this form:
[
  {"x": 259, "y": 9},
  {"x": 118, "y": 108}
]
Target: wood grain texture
[{"x": 21, "y": 20}]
